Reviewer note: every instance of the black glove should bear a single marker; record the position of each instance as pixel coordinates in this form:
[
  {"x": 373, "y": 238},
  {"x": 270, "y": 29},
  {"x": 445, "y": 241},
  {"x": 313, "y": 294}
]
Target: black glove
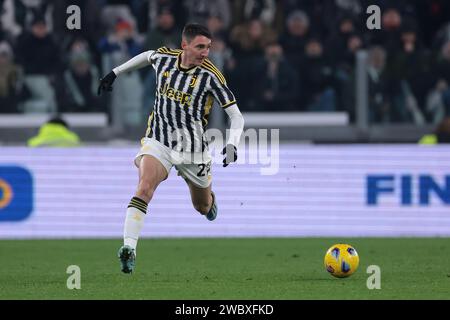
[
  {"x": 106, "y": 83},
  {"x": 230, "y": 153}
]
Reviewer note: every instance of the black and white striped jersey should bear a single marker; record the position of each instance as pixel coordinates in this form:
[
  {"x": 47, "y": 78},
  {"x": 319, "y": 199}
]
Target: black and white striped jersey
[{"x": 183, "y": 101}]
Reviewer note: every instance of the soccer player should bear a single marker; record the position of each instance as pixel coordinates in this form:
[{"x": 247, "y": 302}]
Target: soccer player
[{"x": 187, "y": 84}]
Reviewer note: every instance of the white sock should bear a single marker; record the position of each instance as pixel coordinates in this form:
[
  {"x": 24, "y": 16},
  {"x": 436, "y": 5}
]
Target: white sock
[{"x": 134, "y": 222}]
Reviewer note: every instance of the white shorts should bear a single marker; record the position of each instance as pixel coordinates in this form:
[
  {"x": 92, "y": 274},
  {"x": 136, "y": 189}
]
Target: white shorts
[{"x": 193, "y": 168}]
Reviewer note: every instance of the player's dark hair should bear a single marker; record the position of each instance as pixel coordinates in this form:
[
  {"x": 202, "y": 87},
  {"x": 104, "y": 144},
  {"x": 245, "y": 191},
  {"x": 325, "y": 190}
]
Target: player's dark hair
[{"x": 192, "y": 30}]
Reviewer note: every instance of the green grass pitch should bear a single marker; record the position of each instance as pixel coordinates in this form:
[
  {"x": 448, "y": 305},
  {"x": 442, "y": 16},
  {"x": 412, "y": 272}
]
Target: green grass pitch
[{"x": 210, "y": 268}]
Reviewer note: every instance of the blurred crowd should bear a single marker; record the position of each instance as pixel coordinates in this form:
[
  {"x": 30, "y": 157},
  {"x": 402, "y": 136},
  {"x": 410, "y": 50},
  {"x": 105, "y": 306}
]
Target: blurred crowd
[{"x": 278, "y": 55}]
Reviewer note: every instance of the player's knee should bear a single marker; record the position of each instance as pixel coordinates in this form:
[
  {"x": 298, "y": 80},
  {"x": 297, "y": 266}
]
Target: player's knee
[
  {"x": 202, "y": 207},
  {"x": 146, "y": 190}
]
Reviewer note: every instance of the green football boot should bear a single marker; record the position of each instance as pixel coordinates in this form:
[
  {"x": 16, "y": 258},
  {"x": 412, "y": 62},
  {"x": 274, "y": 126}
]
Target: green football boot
[
  {"x": 212, "y": 214},
  {"x": 127, "y": 259}
]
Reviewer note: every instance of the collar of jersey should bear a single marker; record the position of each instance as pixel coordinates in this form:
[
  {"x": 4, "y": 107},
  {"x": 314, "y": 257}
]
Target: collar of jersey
[{"x": 180, "y": 67}]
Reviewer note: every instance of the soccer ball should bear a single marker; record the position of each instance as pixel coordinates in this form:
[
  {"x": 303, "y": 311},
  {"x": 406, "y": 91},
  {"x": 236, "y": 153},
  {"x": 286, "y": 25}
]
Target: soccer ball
[{"x": 341, "y": 260}]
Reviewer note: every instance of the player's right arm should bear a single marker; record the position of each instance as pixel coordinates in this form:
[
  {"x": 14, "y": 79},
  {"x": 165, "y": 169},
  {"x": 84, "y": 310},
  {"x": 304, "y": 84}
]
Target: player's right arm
[{"x": 139, "y": 61}]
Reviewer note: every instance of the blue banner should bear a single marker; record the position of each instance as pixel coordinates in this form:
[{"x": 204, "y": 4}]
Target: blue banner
[{"x": 16, "y": 193}]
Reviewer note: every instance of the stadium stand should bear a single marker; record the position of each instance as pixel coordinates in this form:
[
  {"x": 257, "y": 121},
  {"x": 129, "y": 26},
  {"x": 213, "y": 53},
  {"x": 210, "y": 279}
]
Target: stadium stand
[{"x": 298, "y": 56}]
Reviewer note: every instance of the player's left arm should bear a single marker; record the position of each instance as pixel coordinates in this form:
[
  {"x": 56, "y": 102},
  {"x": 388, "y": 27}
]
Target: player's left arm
[
  {"x": 227, "y": 100},
  {"x": 235, "y": 132}
]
